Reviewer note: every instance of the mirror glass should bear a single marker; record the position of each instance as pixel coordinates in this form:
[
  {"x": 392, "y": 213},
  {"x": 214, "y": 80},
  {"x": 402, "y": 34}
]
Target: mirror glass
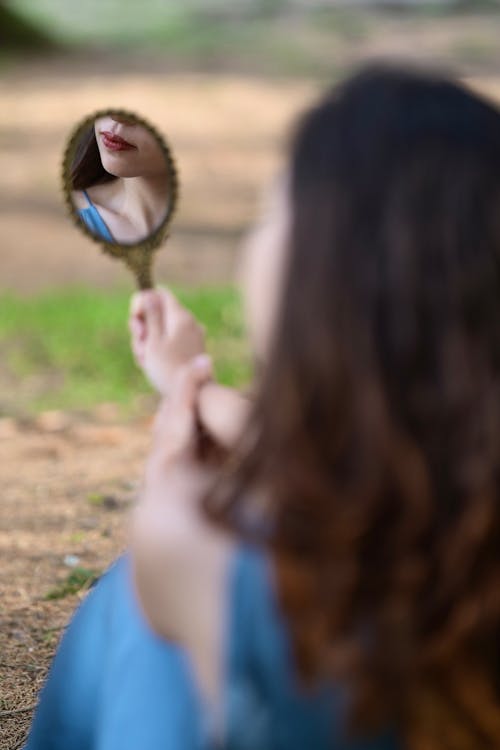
[{"x": 120, "y": 183}]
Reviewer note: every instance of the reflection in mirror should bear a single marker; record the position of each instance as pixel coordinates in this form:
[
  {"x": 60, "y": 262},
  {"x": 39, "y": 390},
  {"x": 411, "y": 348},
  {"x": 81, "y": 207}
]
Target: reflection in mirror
[
  {"x": 120, "y": 184},
  {"x": 119, "y": 180}
]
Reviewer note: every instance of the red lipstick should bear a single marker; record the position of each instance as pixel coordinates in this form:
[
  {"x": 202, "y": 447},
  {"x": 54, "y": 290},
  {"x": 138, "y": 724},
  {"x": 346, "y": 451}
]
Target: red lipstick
[{"x": 114, "y": 142}]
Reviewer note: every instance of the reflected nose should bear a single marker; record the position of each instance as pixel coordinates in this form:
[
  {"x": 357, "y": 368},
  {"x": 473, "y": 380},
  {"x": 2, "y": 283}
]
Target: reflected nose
[{"x": 123, "y": 119}]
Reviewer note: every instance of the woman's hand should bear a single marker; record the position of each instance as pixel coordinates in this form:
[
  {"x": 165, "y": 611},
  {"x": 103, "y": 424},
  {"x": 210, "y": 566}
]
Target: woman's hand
[{"x": 164, "y": 336}]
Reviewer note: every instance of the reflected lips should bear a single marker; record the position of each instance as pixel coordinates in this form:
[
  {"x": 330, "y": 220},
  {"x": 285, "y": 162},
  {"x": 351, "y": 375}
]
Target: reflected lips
[{"x": 114, "y": 142}]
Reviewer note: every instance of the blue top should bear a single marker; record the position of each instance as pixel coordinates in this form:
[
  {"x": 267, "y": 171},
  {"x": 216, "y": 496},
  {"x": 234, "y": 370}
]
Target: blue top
[
  {"x": 94, "y": 221},
  {"x": 115, "y": 685}
]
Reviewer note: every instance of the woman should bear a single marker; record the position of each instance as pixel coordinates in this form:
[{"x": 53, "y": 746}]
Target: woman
[
  {"x": 120, "y": 180},
  {"x": 363, "y": 611}
]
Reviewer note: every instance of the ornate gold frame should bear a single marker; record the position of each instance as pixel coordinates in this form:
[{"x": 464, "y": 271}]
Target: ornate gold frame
[{"x": 137, "y": 256}]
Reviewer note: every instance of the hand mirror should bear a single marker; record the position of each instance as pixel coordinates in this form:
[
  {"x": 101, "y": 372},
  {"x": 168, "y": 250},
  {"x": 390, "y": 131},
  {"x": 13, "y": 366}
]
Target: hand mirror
[{"x": 120, "y": 186}]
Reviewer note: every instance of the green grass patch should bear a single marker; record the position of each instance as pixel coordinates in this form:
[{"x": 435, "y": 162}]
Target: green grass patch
[
  {"x": 78, "y": 579},
  {"x": 96, "y": 498},
  {"x": 69, "y": 349},
  {"x": 77, "y": 537}
]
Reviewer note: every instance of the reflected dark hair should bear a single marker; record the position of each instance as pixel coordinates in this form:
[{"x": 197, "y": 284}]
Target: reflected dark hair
[
  {"x": 87, "y": 168},
  {"x": 375, "y": 436}
]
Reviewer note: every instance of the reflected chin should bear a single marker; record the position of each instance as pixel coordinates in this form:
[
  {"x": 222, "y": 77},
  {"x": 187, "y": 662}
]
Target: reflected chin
[{"x": 118, "y": 166}]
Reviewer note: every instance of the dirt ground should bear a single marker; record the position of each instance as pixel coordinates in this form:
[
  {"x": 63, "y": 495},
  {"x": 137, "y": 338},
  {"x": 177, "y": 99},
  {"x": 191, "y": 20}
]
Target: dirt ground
[
  {"x": 68, "y": 480},
  {"x": 67, "y": 484}
]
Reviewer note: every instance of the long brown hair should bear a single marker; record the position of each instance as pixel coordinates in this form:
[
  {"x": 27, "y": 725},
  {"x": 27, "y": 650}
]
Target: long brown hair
[
  {"x": 87, "y": 168},
  {"x": 370, "y": 466}
]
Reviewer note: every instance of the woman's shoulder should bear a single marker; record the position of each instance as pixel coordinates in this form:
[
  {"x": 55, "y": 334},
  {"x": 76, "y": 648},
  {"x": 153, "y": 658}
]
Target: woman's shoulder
[
  {"x": 79, "y": 199},
  {"x": 98, "y": 195}
]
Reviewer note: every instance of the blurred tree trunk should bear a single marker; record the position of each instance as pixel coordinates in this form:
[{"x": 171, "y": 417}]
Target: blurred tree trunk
[{"x": 19, "y": 33}]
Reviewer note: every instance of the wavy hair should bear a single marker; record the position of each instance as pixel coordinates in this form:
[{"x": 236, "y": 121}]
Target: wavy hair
[{"x": 370, "y": 465}]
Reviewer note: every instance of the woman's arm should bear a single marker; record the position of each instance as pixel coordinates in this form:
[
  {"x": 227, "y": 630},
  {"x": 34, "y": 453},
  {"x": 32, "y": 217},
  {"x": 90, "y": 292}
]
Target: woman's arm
[
  {"x": 165, "y": 337},
  {"x": 222, "y": 412},
  {"x": 181, "y": 562}
]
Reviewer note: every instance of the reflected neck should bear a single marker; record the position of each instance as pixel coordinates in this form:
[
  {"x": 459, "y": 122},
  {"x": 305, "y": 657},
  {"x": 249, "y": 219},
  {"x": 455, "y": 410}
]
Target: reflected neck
[{"x": 144, "y": 201}]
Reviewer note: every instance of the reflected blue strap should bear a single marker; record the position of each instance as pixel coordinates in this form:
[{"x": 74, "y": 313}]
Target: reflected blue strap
[{"x": 94, "y": 221}]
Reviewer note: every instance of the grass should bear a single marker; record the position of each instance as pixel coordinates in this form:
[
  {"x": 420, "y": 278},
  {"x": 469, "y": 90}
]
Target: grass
[
  {"x": 69, "y": 349},
  {"x": 79, "y": 579}
]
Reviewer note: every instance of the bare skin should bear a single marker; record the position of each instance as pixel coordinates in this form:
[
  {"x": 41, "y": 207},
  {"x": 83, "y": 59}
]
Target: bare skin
[{"x": 133, "y": 205}]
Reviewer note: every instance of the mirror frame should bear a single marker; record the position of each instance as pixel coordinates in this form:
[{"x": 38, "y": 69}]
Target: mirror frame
[{"x": 138, "y": 256}]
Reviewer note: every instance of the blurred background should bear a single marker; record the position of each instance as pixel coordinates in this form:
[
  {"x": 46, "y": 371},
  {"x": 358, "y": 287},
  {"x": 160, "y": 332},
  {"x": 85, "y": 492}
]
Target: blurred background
[{"x": 223, "y": 81}]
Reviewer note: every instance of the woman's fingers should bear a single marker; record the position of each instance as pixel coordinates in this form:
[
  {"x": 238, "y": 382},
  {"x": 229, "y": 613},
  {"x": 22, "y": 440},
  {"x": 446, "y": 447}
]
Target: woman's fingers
[
  {"x": 164, "y": 337},
  {"x": 137, "y": 328},
  {"x": 154, "y": 314},
  {"x": 175, "y": 425},
  {"x": 161, "y": 313},
  {"x": 173, "y": 307},
  {"x": 147, "y": 305},
  {"x": 147, "y": 315},
  {"x": 138, "y": 305}
]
